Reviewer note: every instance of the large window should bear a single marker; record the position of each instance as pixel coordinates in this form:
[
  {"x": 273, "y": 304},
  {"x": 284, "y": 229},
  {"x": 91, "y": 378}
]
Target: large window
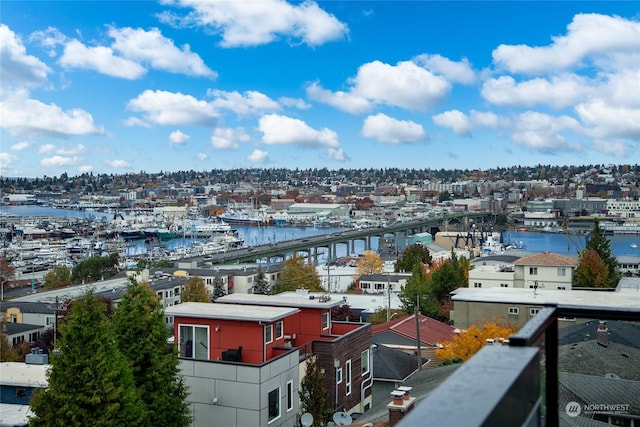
[
  {"x": 364, "y": 362},
  {"x": 533, "y": 271},
  {"x": 274, "y": 404},
  {"x": 562, "y": 272},
  {"x": 347, "y": 379},
  {"x": 194, "y": 341},
  {"x": 279, "y": 331}
]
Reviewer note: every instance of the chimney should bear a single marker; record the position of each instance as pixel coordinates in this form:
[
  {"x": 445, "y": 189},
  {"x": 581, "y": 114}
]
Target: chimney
[
  {"x": 36, "y": 357},
  {"x": 602, "y": 334},
  {"x": 400, "y": 405}
]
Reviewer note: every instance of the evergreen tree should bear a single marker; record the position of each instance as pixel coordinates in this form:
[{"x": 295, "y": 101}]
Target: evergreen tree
[
  {"x": 599, "y": 243},
  {"x": 90, "y": 382},
  {"x": 261, "y": 286},
  {"x": 416, "y": 291},
  {"x": 142, "y": 337},
  {"x": 218, "y": 288},
  {"x": 313, "y": 394}
]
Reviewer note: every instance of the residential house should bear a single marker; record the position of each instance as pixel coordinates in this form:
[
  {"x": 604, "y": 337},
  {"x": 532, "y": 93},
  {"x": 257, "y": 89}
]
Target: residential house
[
  {"x": 545, "y": 270},
  {"x": 342, "y": 347},
  {"x": 383, "y": 282},
  {"x": 26, "y": 321}
]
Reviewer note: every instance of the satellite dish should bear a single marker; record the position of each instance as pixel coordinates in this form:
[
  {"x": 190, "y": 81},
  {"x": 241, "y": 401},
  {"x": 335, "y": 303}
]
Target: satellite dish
[
  {"x": 306, "y": 419},
  {"x": 342, "y": 418}
]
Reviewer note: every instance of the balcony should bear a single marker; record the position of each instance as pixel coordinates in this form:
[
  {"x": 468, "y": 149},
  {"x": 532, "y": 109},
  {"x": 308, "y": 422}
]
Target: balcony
[{"x": 568, "y": 366}]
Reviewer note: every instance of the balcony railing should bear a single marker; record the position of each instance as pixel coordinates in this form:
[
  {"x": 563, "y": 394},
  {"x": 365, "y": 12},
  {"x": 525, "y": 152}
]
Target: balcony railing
[{"x": 566, "y": 364}]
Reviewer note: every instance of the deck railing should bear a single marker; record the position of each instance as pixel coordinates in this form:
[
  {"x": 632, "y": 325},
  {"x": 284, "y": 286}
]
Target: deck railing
[{"x": 519, "y": 384}]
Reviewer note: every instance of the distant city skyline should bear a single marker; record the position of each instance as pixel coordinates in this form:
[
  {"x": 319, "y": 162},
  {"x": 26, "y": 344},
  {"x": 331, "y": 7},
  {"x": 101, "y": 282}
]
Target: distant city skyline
[{"x": 175, "y": 85}]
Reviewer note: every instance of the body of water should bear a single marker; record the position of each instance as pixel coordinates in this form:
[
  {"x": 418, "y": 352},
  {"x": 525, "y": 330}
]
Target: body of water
[{"x": 567, "y": 244}]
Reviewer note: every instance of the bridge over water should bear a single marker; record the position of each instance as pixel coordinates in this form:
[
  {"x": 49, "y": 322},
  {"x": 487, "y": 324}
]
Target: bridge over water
[{"x": 311, "y": 245}]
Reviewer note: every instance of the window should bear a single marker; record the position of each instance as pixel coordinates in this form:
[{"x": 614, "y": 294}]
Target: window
[
  {"x": 364, "y": 362},
  {"x": 268, "y": 334},
  {"x": 176, "y": 291},
  {"x": 504, "y": 285},
  {"x": 21, "y": 392},
  {"x": 562, "y": 272},
  {"x": 562, "y": 288},
  {"x": 274, "y": 404},
  {"x": 347, "y": 380},
  {"x": 533, "y": 311},
  {"x": 514, "y": 310},
  {"x": 533, "y": 271},
  {"x": 279, "y": 331},
  {"x": 289, "y": 395},
  {"x": 325, "y": 320},
  {"x": 477, "y": 285},
  {"x": 339, "y": 376},
  {"x": 194, "y": 341},
  {"x": 50, "y": 320}
]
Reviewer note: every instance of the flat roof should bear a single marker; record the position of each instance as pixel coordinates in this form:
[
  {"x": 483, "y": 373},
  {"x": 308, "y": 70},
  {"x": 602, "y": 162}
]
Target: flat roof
[
  {"x": 20, "y": 374},
  {"x": 621, "y": 299},
  {"x": 286, "y": 299},
  {"x": 206, "y": 310}
]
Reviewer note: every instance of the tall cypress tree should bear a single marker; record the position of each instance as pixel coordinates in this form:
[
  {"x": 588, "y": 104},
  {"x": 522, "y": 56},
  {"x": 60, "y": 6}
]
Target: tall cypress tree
[
  {"x": 599, "y": 243},
  {"x": 261, "y": 286},
  {"x": 90, "y": 382},
  {"x": 142, "y": 336}
]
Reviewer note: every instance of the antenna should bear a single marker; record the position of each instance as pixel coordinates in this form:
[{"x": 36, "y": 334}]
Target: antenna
[
  {"x": 306, "y": 419},
  {"x": 342, "y": 418}
]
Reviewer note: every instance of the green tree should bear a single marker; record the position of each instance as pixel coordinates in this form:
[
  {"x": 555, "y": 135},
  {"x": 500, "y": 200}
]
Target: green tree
[
  {"x": 313, "y": 394},
  {"x": 58, "y": 276},
  {"x": 592, "y": 272},
  {"x": 195, "y": 291},
  {"x": 218, "y": 288},
  {"x": 599, "y": 243},
  {"x": 297, "y": 274},
  {"x": 95, "y": 268},
  {"x": 142, "y": 338},
  {"x": 261, "y": 286},
  {"x": 90, "y": 382},
  {"x": 416, "y": 291},
  {"x": 413, "y": 255}
]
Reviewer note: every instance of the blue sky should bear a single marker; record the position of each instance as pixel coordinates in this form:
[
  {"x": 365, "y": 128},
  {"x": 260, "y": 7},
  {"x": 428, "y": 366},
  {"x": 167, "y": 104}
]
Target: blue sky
[{"x": 125, "y": 86}]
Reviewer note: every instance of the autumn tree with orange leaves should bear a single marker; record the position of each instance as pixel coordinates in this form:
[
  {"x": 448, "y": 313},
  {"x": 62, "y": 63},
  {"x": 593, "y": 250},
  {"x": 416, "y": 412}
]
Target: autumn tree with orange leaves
[
  {"x": 468, "y": 342},
  {"x": 592, "y": 272}
]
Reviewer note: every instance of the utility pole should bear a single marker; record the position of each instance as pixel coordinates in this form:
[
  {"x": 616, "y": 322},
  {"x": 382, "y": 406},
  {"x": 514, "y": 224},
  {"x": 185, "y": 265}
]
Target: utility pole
[
  {"x": 388, "y": 298},
  {"x": 419, "y": 347}
]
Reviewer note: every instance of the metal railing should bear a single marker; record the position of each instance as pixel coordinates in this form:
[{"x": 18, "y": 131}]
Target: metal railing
[{"x": 518, "y": 384}]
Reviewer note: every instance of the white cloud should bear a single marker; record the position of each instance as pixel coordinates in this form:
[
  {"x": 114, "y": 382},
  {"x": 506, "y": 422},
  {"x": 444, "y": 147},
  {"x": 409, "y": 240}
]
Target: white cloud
[
  {"x": 459, "y": 72},
  {"x": 542, "y": 132},
  {"x": 258, "y": 156},
  {"x": 72, "y": 150},
  {"x": 16, "y": 66},
  {"x": 486, "y": 119},
  {"x": 85, "y": 168},
  {"x": 46, "y": 148},
  {"x": 344, "y": 101},
  {"x": 7, "y": 160},
  {"x": 283, "y": 130},
  {"x": 168, "y": 108},
  {"x": 50, "y": 39},
  {"x": 101, "y": 59},
  {"x": 118, "y": 164},
  {"x": 151, "y": 47},
  {"x": 455, "y": 120},
  {"x": 300, "y": 104},
  {"x": 228, "y": 138},
  {"x": 202, "y": 156},
  {"x": 606, "y": 121},
  {"x": 251, "y": 102},
  {"x": 57, "y": 161},
  {"x": 387, "y": 129},
  {"x": 556, "y": 92},
  {"x": 260, "y": 22},
  {"x": 600, "y": 39},
  {"x": 178, "y": 137},
  {"x": 21, "y": 115},
  {"x": 616, "y": 148},
  {"x": 23, "y": 145},
  {"x": 337, "y": 154}
]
